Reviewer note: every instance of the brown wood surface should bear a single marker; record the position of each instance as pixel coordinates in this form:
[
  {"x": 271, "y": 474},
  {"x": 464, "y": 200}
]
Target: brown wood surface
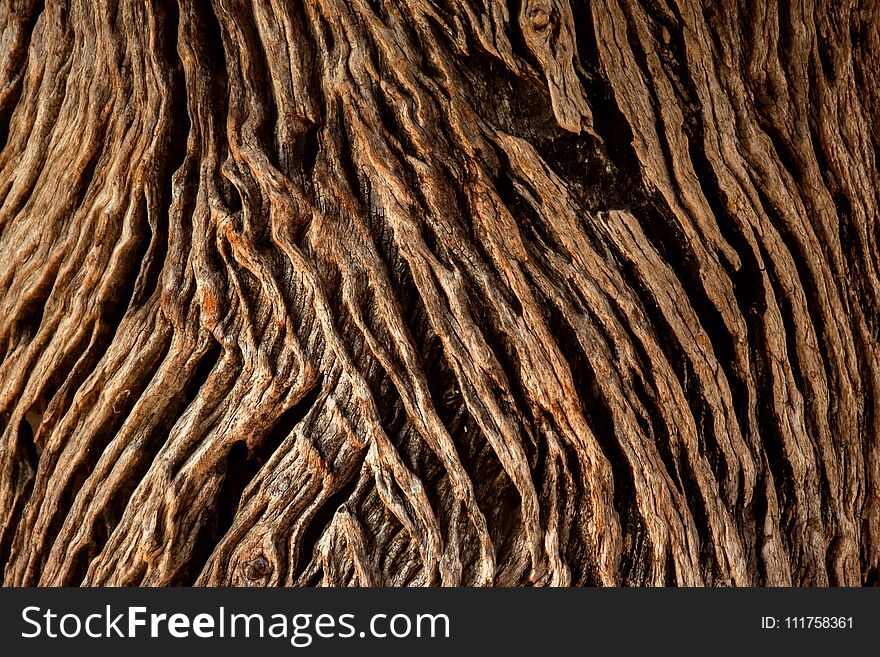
[{"x": 421, "y": 292}]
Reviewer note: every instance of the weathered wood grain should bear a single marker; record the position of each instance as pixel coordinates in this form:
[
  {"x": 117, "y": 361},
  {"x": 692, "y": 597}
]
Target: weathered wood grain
[{"x": 460, "y": 292}]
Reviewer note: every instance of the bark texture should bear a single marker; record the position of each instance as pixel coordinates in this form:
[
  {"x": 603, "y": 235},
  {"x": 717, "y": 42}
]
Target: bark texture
[{"x": 386, "y": 292}]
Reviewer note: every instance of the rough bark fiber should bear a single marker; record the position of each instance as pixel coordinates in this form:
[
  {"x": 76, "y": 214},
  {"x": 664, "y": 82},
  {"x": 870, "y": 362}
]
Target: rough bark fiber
[{"x": 386, "y": 292}]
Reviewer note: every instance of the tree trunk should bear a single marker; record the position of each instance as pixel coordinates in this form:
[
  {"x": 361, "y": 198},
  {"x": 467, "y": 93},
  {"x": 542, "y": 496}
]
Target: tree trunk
[{"x": 386, "y": 292}]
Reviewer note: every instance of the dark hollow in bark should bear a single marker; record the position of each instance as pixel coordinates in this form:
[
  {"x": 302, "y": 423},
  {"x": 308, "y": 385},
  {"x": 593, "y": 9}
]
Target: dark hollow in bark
[{"x": 386, "y": 292}]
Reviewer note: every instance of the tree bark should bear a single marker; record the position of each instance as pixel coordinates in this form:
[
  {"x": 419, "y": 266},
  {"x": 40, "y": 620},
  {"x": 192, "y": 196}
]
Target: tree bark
[{"x": 459, "y": 292}]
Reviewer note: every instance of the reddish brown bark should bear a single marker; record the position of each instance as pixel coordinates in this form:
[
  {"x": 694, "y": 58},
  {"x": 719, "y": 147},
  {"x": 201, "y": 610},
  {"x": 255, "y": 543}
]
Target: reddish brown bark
[{"x": 439, "y": 292}]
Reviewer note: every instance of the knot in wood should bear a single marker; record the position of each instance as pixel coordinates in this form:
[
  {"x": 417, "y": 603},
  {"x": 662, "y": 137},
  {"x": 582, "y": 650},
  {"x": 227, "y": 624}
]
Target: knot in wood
[
  {"x": 257, "y": 568},
  {"x": 541, "y": 17}
]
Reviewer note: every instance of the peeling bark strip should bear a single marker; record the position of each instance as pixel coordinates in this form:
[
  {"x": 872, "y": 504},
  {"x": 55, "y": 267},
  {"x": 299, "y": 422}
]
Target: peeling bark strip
[{"x": 449, "y": 292}]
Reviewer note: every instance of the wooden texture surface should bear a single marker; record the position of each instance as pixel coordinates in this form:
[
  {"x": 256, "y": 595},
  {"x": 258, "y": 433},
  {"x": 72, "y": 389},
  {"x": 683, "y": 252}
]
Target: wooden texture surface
[{"x": 386, "y": 292}]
